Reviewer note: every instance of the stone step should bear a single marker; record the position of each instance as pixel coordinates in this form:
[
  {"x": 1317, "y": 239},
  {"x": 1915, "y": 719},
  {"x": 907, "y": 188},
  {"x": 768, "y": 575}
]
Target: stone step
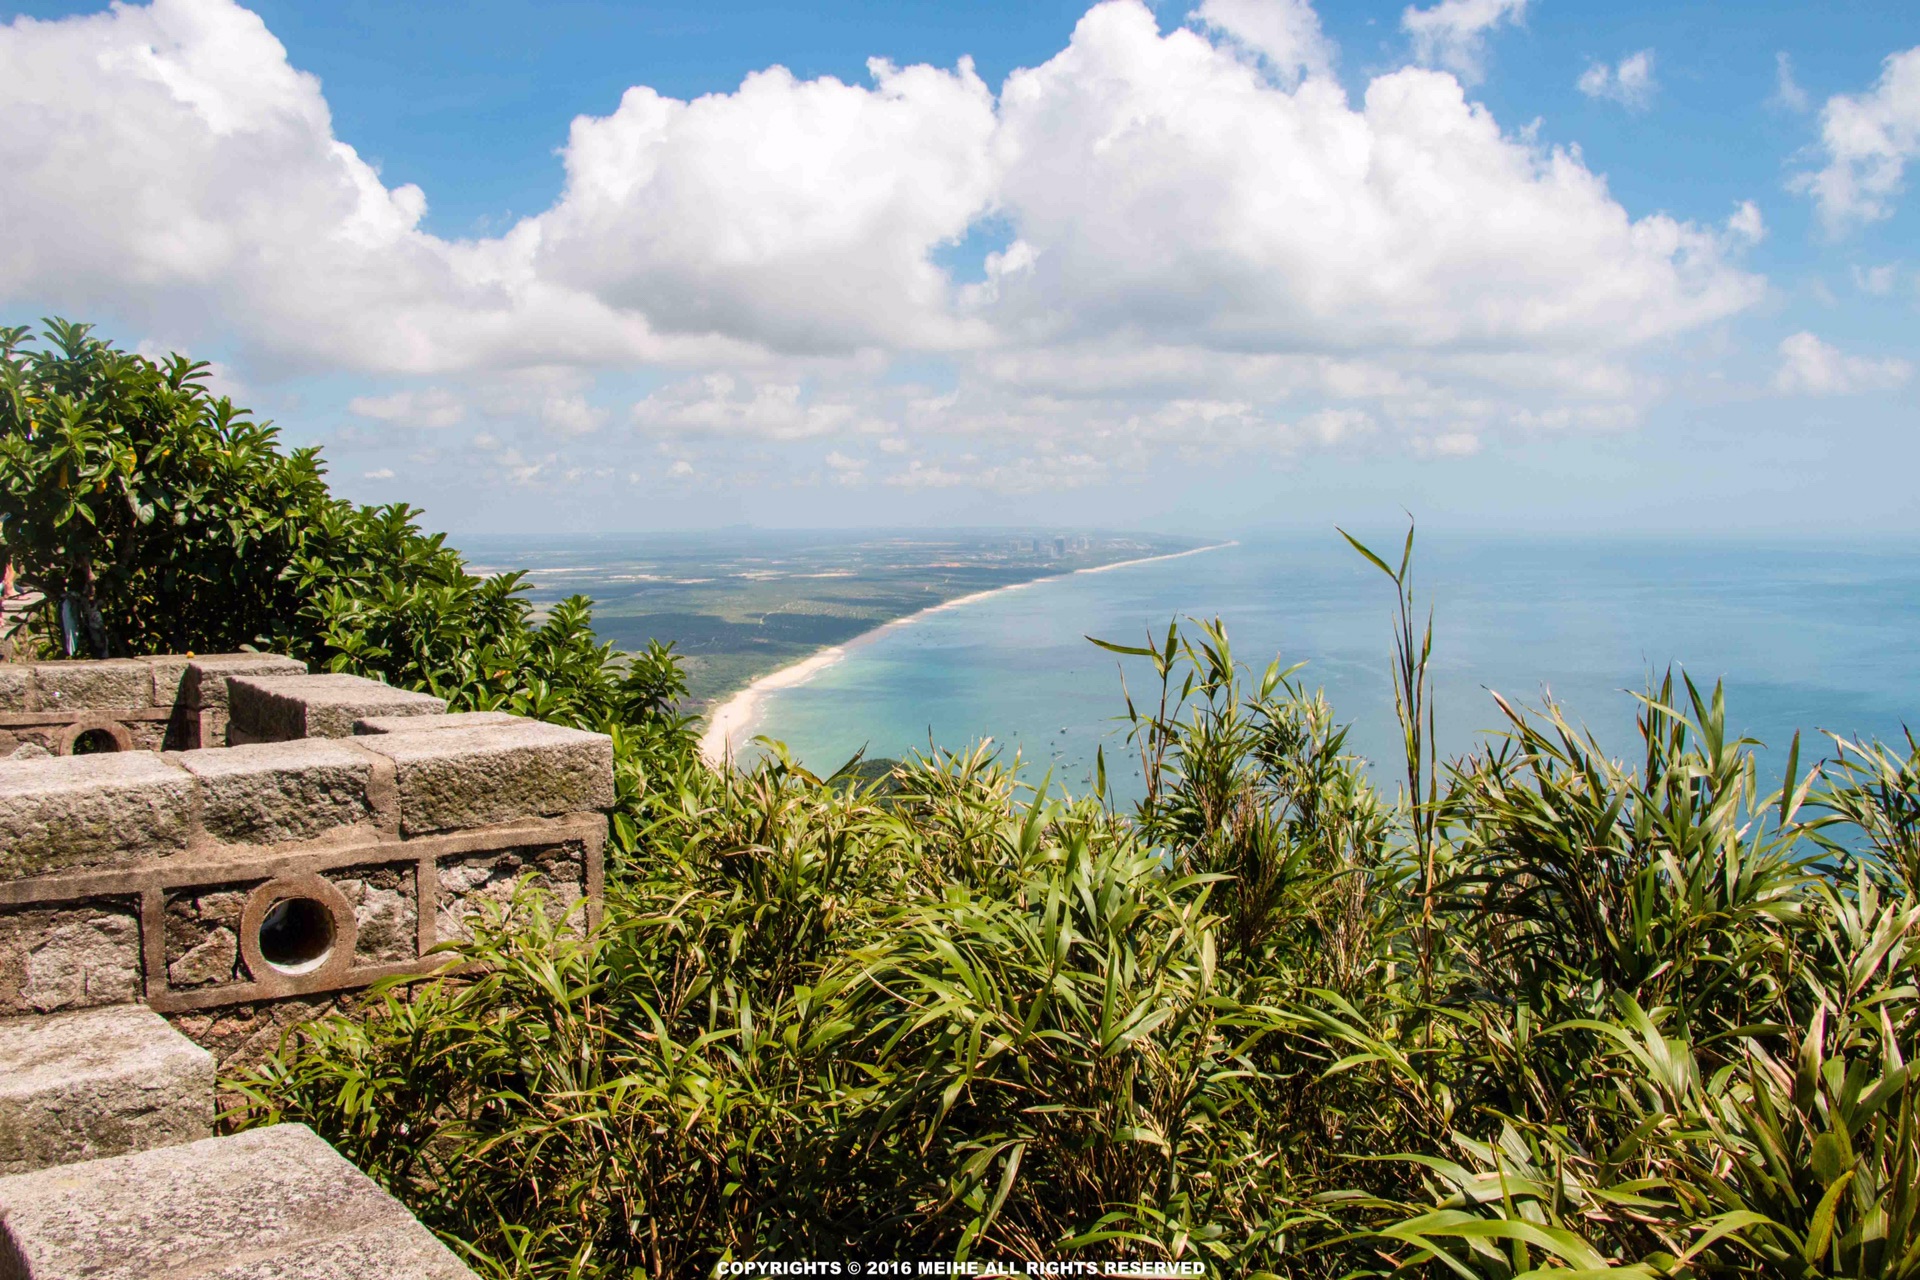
[
  {"x": 96, "y": 1083},
  {"x": 267, "y": 1204},
  {"x": 282, "y": 708}
]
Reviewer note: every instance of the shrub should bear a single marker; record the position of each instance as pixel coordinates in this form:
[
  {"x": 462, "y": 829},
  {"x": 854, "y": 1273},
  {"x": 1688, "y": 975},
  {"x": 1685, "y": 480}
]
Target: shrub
[
  {"x": 1541, "y": 1011},
  {"x": 154, "y": 517}
]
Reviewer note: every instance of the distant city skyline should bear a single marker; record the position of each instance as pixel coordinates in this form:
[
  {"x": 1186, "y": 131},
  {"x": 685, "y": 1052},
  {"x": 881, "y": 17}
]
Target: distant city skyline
[{"x": 1207, "y": 266}]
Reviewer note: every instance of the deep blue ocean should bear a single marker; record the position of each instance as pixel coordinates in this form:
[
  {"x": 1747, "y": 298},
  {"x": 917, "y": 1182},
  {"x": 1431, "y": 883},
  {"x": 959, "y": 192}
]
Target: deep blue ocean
[{"x": 1806, "y": 638}]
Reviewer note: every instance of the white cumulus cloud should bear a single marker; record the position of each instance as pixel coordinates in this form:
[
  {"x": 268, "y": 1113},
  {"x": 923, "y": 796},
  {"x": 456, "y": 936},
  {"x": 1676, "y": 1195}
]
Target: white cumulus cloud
[
  {"x": 1868, "y": 139},
  {"x": 1165, "y": 188},
  {"x": 725, "y": 404},
  {"x": 1196, "y": 238},
  {"x": 796, "y": 214},
  {"x": 1809, "y": 366}
]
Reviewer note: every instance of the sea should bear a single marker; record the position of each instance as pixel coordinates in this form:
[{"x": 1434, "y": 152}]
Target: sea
[{"x": 1807, "y": 639}]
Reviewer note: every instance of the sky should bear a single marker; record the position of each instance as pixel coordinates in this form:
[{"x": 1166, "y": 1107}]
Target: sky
[{"x": 1524, "y": 266}]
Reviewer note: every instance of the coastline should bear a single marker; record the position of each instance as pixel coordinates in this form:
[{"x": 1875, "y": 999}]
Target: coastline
[{"x": 733, "y": 720}]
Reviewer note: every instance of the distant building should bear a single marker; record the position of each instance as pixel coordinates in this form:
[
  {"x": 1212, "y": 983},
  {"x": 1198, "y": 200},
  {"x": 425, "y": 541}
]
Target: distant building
[{"x": 1059, "y": 546}]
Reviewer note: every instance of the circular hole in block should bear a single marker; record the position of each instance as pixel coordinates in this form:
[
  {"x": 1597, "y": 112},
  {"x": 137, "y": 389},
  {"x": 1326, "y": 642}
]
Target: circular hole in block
[
  {"x": 95, "y": 742},
  {"x": 296, "y": 935}
]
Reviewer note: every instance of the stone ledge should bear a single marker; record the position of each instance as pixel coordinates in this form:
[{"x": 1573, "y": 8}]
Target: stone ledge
[
  {"x": 200, "y": 682},
  {"x": 282, "y": 708},
  {"x": 278, "y": 792},
  {"x": 101, "y": 1082},
  {"x": 490, "y": 774},
  {"x": 445, "y": 720},
  {"x": 77, "y": 812},
  {"x": 103, "y": 685},
  {"x": 268, "y": 1203}
]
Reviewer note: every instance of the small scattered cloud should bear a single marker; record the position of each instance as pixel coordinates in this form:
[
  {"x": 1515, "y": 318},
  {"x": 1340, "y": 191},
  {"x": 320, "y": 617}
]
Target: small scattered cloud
[
  {"x": 847, "y": 470},
  {"x": 1878, "y": 281},
  {"x": 1628, "y": 82},
  {"x": 1787, "y": 92},
  {"x": 1745, "y": 225},
  {"x": 1450, "y": 444},
  {"x": 381, "y": 473},
  {"x": 681, "y": 469},
  {"x": 571, "y": 416},
  {"x": 1809, "y": 366},
  {"x": 1868, "y": 139},
  {"x": 433, "y": 407},
  {"x": 1453, "y": 34},
  {"x": 723, "y": 404}
]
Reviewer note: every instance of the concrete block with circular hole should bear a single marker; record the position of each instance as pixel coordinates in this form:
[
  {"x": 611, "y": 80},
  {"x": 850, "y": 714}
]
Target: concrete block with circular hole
[
  {"x": 281, "y": 708},
  {"x": 267, "y": 1204},
  {"x": 96, "y": 1083},
  {"x": 212, "y": 883},
  {"x": 124, "y": 704}
]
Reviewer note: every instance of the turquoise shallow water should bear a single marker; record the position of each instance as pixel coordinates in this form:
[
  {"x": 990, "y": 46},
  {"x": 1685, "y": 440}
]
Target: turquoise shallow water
[{"x": 1806, "y": 638}]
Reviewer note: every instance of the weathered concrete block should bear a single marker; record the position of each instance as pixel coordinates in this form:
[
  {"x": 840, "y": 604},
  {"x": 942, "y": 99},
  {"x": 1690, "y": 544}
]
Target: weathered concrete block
[
  {"x": 15, "y": 683},
  {"x": 200, "y": 681},
  {"x": 113, "y": 683},
  {"x": 90, "y": 811},
  {"x": 102, "y": 1082},
  {"x": 445, "y": 720},
  {"x": 495, "y": 773},
  {"x": 268, "y": 1203},
  {"x": 281, "y": 708},
  {"x": 68, "y": 956},
  {"x": 270, "y": 792}
]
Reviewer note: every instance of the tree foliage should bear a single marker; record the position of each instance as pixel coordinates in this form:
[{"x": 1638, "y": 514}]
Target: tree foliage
[{"x": 156, "y": 517}]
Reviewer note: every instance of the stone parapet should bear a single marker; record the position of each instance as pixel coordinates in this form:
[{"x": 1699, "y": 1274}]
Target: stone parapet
[
  {"x": 97, "y": 1083},
  {"x": 223, "y": 846},
  {"x": 171, "y": 701},
  {"x": 240, "y": 874},
  {"x": 267, "y": 1204}
]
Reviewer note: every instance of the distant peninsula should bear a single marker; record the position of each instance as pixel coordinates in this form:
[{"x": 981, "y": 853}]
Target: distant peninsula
[{"x": 741, "y": 604}]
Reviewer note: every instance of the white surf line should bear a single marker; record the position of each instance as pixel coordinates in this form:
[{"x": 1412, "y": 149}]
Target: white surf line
[{"x": 732, "y": 719}]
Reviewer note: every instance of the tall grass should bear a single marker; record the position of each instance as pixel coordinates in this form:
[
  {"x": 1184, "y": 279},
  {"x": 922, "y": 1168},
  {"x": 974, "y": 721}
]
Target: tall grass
[{"x": 1541, "y": 1009}]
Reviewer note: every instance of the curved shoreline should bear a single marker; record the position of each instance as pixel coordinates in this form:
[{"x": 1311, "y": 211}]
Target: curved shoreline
[{"x": 733, "y": 719}]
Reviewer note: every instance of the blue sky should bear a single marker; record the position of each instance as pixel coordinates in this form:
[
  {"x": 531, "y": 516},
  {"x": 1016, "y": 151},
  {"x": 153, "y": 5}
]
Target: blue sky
[{"x": 1513, "y": 265}]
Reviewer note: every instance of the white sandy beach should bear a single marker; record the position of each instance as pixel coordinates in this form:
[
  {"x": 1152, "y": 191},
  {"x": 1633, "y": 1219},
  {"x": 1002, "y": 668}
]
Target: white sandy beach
[{"x": 732, "y": 722}]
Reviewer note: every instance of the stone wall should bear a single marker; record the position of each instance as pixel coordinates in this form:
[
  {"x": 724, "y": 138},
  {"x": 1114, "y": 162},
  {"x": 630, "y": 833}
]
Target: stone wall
[
  {"x": 234, "y": 888},
  {"x": 170, "y": 902},
  {"x": 172, "y": 702}
]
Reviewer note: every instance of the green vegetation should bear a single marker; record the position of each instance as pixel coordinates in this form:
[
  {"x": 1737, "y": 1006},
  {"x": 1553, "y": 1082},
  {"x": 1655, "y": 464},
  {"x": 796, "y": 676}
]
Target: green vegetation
[
  {"x": 1539, "y": 1010},
  {"x": 1560, "y": 1014},
  {"x": 153, "y": 517}
]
